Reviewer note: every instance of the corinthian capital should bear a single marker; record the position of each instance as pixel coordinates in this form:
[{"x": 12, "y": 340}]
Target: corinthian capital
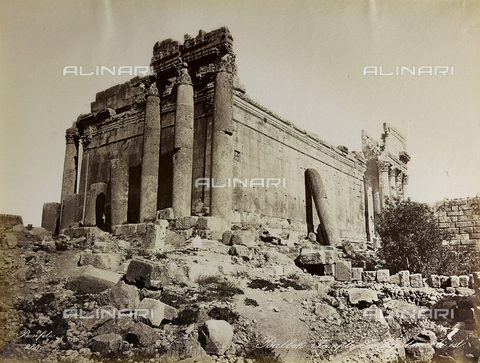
[
  {"x": 383, "y": 166},
  {"x": 226, "y": 63},
  {"x": 71, "y": 136},
  {"x": 182, "y": 75}
]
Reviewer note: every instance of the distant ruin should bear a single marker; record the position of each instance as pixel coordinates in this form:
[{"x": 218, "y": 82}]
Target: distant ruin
[{"x": 152, "y": 143}]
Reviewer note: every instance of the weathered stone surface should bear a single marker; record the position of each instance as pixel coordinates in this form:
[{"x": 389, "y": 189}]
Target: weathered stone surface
[
  {"x": 463, "y": 280},
  {"x": 166, "y": 213},
  {"x": 362, "y": 297},
  {"x": 324, "y": 210},
  {"x": 122, "y": 230},
  {"x": 155, "y": 235},
  {"x": 328, "y": 280},
  {"x": 144, "y": 272},
  {"x": 174, "y": 238},
  {"x": 88, "y": 279},
  {"x": 145, "y": 334},
  {"x": 157, "y": 312},
  {"x": 420, "y": 352},
  {"x": 71, "y": 211},
  {"x": 41, "y": 232},
  {"x": 329, "y": 269},
  {"x": 404, "y": 277},
  {"x": 20, "y": 228},
  {"x": 244, "y": 237},
  {"x": 105, "y": 261},
  {"x": 23, "y": 274},
  {"x": 227, "y": 238},
  {"x": 10, "y": 220},
  {"x": 102, "y": 247},
  {"x": 241, "y": 251},
  {"x": 51, "y": 217},
  {"x": 312, "y": 257},
  {"x": 427, "y": 336},
  {"x": 186, "y": 222},
  {"x": 216, "y": 336},
  {"x": 343, "y": 271},
  {"x": 369, "y": 276},
  {"x": 119, "y": 185},
  {"x": 383, "y": 275},
  {"x": 216, "y": 225},
  {"x": 416, "y": 280},
  {"x": 476, "y": 279},
  {"x": 187, "y": 349},
  {"x": 121, "y": 295},
  {"x": 394, "y": 279},
  {"x": 10, "y": 240},
  {"x": 434, "y": 281},
  {"x": 454, "y": 281},
  {"x": 327, "y": 313},
  {"x": 357, "y": 273},
  {"x": 106, "y": 343}
]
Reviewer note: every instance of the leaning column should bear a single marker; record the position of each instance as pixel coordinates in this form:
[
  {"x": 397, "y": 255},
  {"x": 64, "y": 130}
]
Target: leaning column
[
  {"x": 383, "y": 167},
  {"x": 151, "y": 155},
  {"x": 69, "y": 181},
  {"x": 222, "y": 140},
  {"x": 183, "y": 145}
]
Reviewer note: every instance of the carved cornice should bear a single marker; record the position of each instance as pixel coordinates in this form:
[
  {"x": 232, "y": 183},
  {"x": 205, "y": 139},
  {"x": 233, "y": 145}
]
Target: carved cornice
[
  {"x": 404, "y": 157},
  {"x": 87, "y": 136}
]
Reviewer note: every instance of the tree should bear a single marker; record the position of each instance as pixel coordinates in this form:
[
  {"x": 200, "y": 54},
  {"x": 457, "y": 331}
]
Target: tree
[{"x": 411, "y": 237}]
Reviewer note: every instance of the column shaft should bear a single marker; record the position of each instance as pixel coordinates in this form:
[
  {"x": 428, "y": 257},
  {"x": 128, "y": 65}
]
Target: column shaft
[
  {"x": 183, "y": 145},
  {"x": 222, "y": 146},
  {"x": 70, "y": 164},
  {"x": 118, "y": 191},
  {"x": 383, "y": 184},
  {"x": 392, "y": 184},
  {"x": 150, "y": 160}
]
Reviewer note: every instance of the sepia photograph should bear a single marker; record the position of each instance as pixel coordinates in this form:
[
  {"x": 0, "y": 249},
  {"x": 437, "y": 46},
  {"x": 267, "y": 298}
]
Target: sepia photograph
[{"x": 239, "y": 181}]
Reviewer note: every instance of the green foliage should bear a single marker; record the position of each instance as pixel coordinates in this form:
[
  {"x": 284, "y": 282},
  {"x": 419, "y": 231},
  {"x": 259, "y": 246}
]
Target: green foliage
[{"x": 411, "y": 238}]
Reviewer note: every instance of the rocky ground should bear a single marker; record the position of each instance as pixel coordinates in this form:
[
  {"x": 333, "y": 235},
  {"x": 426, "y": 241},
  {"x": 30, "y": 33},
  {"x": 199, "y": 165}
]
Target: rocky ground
[{"x": 216, "y": 302}]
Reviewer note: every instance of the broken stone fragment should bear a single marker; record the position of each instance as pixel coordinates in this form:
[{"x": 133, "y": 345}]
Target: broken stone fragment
[
  {"x": 186, "y": 222},
  {"x": 343, "y": 271},
  {"x": 369, "y": 276},
  {"x": 107, "y": 343},
  {"x": 394, "y": 279},
  {"x": 155, "y": 235},
  {"x": 416, "y": 280},
  {"x": 454, "y": 281},
  {"x": 362, "y": 297},
  {"x": 166, "y": 213},
  {"x": 144, "y": 272},
  {"x": 105, "y": 261},
  {"x": 122, "y": 296},
  {"x": 243, "y": 237},
  {"x": 357, "y": 273},
  {"x": 434, "y": 281},
  {"x": 10, "y": 240},
  {"x": 156, "y": 313},
  {"x": 404, "y": 277},
  {"x": 463, "y": 280},
  {"x": 383, "y": 275},
  {"x": 91, "y": 280},
  {"x": 216, "y": 336},
  {"x": 420, "y": 352},
  {"x": 241, "y": 251},
  {"x": 227, "y": 238}
]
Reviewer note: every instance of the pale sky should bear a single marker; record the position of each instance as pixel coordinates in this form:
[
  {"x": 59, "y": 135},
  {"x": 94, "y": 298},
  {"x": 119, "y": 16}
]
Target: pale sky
[{"x": 301, "y": 59}]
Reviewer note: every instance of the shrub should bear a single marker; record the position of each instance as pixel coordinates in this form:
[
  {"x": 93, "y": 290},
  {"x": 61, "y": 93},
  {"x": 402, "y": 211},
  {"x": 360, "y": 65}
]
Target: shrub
[{"x": 411, "y": 238}]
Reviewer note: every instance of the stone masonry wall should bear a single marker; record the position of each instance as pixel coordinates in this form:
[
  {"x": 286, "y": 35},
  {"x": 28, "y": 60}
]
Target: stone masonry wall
[
  {"x": 267, "y": 146},
  {"x": 461, "y": 217}
]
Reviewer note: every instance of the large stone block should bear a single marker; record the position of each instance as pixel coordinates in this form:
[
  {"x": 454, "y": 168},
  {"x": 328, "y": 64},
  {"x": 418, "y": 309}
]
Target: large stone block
[
  {"x": 91, "y": 280},
  {"x": 227, "y": 238},
  {"x": 435, "y": 281},
  {"x": 245, "y": 237},
  {"x": 105, "y": 261},
  {"x": 216, "y": 336},
  {"x": 416, "y": 280},
  {"x": 383, "y": 275},
  {"x": 454, "y": 281},
  {"x": 157, "y": 312},
  {"x": 10, "y": 240},
  {"x": 155, "y": 235},
  {"x": 394, "y": 279},
  {"x": 369, "y": 276},
  {"x": 357, "y": 273},
  {"x": 51, "y": 217},
  {"x": 312, "y": 257},
  {"x": 329, "y": 269},
  {"x": 463, "y": 280},
  {"x": 107, "y": 343},
  {"x": 166, "y": 213},
  {"x": 144, "y": 272},
  {"x": 343, "y": 271},
  {"x": 404, "y": 277},
  {"x": 122, "y": 296},
  {"x": 362, "y": 297},
  {"x": 10, "y": 220},
  {"x": 186, "y": 222},
  {"x": 421, "y": 352}
]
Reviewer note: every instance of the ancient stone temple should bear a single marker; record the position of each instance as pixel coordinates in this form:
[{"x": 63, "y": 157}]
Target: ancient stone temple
[{"x": 188, "y": 137}]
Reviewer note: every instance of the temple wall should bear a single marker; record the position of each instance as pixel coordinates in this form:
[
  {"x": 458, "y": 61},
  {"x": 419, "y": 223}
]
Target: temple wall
[{"x": 268, "y": 147}]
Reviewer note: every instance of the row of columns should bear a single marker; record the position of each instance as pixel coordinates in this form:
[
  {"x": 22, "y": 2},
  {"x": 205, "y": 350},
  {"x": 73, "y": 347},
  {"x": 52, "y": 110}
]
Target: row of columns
[
  {"x": 222, "y": 152},
  {"x": 393, "y": 182}
]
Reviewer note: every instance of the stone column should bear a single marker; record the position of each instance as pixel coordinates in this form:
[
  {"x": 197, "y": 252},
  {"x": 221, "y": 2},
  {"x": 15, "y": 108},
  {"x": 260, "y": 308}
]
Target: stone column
[
  {"x": 222, "y": 141},
  {"x": 118, "y": 192},
  {"x": 151, "y": 155},
  {"x": 398, "y": 184},
  {"x": 405, "y": 186},
  {"x": 383, "y": 167},
  {"x": 393, "y": 188},
  {"x": 324, "y": 210},
  {"x": 183, "y": 146},
  {"x": 69, "y": 181}
]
